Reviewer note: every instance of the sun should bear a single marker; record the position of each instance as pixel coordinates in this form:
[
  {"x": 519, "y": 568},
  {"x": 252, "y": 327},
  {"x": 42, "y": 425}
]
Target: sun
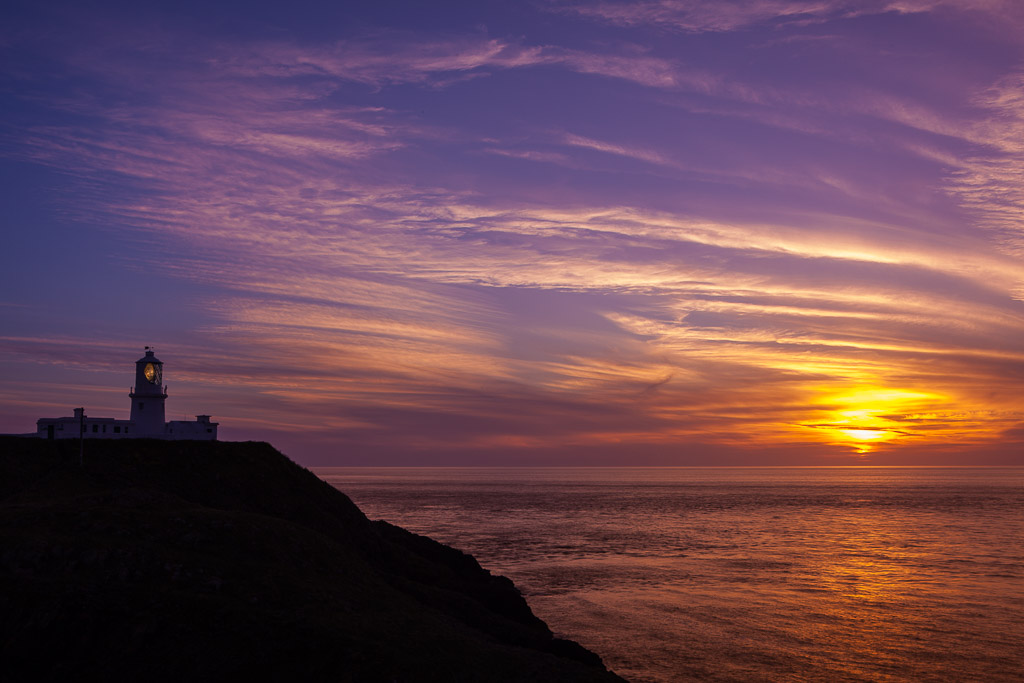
[
  {"x": 866, "y": 416},
  {"x": 863, "y": 439},
  {"x": 866, "y": 434}
]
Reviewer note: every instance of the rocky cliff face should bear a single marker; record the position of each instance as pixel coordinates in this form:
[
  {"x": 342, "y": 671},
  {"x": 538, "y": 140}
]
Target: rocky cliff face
[{"x": 174, "y": 561}]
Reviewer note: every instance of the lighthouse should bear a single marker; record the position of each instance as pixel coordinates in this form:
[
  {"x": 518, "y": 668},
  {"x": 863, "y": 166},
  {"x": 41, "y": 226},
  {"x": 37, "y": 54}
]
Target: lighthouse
[
  {"x": 148, "y": 396},
  {"x": 147, "y": 414}
]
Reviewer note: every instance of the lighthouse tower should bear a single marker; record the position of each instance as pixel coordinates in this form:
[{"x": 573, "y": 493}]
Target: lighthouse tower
[{"x": 148, "y": 396}]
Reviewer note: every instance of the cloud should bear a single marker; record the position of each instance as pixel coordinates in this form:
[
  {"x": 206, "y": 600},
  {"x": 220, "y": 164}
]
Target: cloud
[
  {"x": 391, "y": 59},
  {"x": 733, "y": 15},
  {"x": 988, "y": 184},
  {"x": 371, "y": 275},
  {"x": 649, "y": 156}
]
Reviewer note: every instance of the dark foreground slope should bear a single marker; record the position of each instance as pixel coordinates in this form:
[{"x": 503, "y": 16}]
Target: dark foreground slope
[{"x": 164, "y": 561}]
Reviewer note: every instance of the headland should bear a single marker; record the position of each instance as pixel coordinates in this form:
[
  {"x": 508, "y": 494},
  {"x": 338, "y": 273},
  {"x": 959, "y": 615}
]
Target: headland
[{"x": 205, "y": 561}]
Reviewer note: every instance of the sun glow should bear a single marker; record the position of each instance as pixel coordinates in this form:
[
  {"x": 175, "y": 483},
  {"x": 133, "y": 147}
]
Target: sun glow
[{"x": 867, "y": 416}]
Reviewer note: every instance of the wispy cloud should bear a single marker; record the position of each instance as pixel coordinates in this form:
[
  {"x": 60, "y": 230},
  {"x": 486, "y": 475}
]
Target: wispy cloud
[
  {"x": 391, "y": 59},
  {"x": 732, "y": 15},
  {"x": 753, "y": 273},
  {"x": 989, "y": 184}
]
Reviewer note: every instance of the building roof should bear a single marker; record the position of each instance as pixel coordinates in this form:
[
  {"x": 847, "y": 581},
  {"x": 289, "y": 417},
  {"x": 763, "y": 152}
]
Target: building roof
[{"x": 149, "y": 357}]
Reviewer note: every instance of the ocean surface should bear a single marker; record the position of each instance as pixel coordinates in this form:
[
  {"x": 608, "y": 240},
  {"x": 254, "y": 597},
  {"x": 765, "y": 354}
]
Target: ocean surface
[{"x": 736, "y": 574}]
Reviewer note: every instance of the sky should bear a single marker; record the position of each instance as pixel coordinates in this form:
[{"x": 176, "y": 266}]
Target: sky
[{"x": 661, "y": 232}]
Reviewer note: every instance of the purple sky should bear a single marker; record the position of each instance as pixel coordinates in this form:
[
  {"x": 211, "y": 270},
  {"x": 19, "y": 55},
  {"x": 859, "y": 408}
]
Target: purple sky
[{"x": 677, "y": 232}]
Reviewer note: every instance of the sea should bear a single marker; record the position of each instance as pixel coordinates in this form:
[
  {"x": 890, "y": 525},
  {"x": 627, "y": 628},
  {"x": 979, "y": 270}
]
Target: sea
[{"x": 743, "y": 574}]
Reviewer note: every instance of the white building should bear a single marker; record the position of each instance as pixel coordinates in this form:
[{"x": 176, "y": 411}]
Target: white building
[{"x": 147, "y": 416}]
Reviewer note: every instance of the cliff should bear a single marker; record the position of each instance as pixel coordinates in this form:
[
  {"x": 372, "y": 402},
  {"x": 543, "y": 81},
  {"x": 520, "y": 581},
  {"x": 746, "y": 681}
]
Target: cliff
[{"x": 173, "y": 561}]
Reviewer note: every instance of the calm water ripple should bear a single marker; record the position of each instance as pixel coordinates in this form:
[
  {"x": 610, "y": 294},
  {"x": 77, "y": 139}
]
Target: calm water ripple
[{"x": 759, "y": 574}]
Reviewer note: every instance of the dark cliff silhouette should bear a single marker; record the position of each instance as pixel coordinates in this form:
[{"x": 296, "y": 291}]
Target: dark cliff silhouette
[{"x": 173, "y": 561}]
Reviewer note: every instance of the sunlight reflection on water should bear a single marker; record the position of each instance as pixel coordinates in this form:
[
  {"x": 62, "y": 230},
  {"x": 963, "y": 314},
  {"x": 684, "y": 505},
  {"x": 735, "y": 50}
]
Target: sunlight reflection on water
[{"x": 887, "y": 574}]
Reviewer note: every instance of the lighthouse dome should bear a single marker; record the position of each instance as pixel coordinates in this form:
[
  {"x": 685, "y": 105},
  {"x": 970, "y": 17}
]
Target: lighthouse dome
[{"x": 149, "y": 357}]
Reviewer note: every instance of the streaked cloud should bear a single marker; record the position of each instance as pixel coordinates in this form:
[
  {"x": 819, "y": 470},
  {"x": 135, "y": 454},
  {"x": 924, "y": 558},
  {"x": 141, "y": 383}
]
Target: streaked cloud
[
  {"x": 989, "y": 184},
  {"x": 732, "y": 15},
  {"x": 415, "y": 243}
]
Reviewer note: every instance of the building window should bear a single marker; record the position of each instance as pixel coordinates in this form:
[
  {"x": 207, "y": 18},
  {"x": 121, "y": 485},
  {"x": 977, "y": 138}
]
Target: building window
[
  {"x": 104, "y": 429},
  {"x": 141, "y": 405},
  {"x": 95, "y": 428},
  {"x": 117, "y": 430}
]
